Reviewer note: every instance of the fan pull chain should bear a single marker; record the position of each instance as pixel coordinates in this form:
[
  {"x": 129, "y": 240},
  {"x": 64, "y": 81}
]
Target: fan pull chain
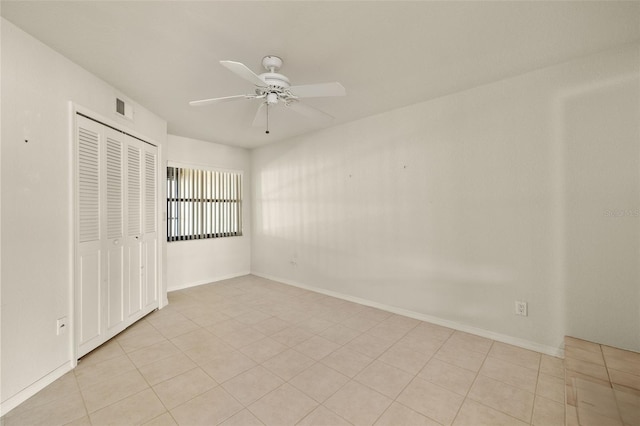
[{"x": 267, "y": 131}]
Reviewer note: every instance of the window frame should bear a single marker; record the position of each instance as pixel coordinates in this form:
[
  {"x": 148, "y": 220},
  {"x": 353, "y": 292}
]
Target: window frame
[{"x": 203, "y": 202}]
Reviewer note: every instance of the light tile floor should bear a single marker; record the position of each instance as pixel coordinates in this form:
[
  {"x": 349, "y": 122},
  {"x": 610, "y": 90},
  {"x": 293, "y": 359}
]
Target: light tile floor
[
  {"x": 249, "y": 351},
  {"x": 602, "y": 384}
]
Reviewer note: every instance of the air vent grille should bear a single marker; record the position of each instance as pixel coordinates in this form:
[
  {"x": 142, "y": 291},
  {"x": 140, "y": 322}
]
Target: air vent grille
[{"x": 124, "y": 109}]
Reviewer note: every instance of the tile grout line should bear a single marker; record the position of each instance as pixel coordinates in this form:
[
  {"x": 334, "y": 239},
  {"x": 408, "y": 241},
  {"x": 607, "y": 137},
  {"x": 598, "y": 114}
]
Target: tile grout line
[
  {"x": 364, "y": 368},
  {"x": 395, "y": 400},
  {"x": 86, "y": 409},
  {"x": 284, "y": 381},
  {"x": 535, "y": 391},
  {"x": 170, "y": 378},
  {"x": 466, "y": 396},
  {"x": 613, "y": 390},
  {"x": 517, "y": 387},
  {"x": 151, "y": 387},
  {"x": 89, "y": 413}
]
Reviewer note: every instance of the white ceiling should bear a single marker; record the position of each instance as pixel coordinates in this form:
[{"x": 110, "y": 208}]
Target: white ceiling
[{"x": 387, "y": 54}]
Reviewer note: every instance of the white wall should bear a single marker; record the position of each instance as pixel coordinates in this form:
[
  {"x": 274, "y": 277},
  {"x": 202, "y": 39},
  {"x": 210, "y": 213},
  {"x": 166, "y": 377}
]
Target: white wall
[
  {"x": 198, "y": 262},
  {"x": 601, "y": 135},
  {"x": 37, "y": 258},
  {"x": 456, "y": 207}
]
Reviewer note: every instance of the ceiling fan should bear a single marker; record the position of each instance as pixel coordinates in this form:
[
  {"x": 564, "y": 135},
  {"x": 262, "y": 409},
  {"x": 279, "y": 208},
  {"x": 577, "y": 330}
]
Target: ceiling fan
[{"x": 273, "y": 88}]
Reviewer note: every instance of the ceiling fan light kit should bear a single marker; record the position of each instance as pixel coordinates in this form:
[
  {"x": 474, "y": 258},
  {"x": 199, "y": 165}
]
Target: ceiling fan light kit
[{"x": 273, "y": 87}]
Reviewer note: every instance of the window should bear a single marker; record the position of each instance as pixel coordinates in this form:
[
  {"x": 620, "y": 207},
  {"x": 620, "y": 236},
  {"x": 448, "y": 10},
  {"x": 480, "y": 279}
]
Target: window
[{"x": 203, "y": 204}]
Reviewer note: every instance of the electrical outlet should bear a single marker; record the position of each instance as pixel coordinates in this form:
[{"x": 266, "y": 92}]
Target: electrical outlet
[
  {"x": 61, "y": 326},
  {"x": 521, "y": 308}
]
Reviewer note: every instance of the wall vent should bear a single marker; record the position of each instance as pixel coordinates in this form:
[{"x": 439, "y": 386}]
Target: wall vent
[{"x": 124, "y": 109}]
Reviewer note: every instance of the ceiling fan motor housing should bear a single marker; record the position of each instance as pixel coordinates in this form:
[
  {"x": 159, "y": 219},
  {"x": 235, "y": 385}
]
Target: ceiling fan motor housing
[{"x": 275, "y": 79}]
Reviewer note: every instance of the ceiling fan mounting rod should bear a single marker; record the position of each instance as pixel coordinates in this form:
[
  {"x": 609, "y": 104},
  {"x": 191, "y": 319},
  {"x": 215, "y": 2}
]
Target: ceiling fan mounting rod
[{"x": 271, "y": 63}]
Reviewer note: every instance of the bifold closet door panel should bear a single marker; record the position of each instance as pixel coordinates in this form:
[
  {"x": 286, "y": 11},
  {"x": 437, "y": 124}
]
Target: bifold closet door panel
[
  {"x": 133, "y": 240},
  {"x": 114, "y": 244},
  {"x": 89, "y": 289},
  {"x": 150, "y": 226},
  {"x": 90, "y": 317}
]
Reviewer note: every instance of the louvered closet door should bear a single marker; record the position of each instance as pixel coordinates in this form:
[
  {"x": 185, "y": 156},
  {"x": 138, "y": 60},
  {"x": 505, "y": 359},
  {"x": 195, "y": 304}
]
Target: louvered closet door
[
  {"x": 116, "y": 254},
  {"x": 114, "y": 243},
  {"x": 89, "y": 289},
  {"x": 141, "y": 242},
  {"x": 133, "y": 244},
  {"x": 150, "y": 226}
]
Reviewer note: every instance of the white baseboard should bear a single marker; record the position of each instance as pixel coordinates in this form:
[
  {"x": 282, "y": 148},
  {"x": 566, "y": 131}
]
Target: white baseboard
[
  {"x": 207, "y": 281},
  {"x": 26, "y": 393},
  {"x": 515, "y": 341}
]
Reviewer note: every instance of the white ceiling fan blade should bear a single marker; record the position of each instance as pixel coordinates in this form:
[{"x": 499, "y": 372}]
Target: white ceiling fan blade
[
  {"x": 318, "y": 90},
  {"x": 204, "y": 102},
  {"x": 309, "y": 112},
  {"x": 243, "y": 71},
  {"x": 260, "y": 119}
]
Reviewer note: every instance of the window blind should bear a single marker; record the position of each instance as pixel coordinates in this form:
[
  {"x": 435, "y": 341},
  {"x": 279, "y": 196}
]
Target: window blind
[{"x": 203, "y": 204}]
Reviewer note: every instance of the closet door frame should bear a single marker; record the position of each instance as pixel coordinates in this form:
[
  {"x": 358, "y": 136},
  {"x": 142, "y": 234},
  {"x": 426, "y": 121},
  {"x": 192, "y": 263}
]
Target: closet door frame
[{"x": 75, "y": 111}]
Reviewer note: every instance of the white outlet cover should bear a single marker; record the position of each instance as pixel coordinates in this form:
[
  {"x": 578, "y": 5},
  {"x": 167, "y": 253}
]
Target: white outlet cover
[
  {"x": 61, "y": 326},
  {"x": 521, "y": 308}
]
